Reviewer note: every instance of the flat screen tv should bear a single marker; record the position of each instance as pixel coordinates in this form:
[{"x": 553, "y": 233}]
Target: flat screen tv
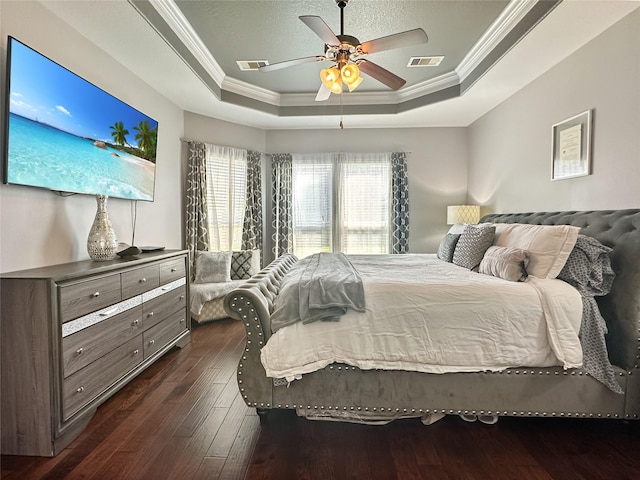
[{"x": 65, "y": 134}]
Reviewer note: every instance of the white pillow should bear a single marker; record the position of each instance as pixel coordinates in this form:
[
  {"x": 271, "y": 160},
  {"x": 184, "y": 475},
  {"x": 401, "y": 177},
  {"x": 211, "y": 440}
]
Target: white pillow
[
  {"x": 549, "y": 246},
  {"x": 213, "y": 267}
]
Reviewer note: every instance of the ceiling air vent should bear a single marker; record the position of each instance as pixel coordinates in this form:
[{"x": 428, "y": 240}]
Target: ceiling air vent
[
  {"x": 251, "y": 64},
  {"x": 425, "y": 61}
]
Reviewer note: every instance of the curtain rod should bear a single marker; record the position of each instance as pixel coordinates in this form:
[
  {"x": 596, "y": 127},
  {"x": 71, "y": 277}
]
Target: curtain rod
[{"x": 186, "y": 140}]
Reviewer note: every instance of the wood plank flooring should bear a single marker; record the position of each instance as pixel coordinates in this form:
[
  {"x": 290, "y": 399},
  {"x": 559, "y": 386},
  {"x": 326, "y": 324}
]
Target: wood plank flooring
[{"x": 184, "y": 419}]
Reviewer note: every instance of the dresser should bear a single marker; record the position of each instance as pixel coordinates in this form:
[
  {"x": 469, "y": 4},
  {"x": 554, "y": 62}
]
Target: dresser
[{"x": 73, "y": 334}]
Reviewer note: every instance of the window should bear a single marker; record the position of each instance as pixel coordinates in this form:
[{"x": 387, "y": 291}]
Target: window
[
  {"x": 226, "y": 196},
  {"x": 341, "y": 203}
]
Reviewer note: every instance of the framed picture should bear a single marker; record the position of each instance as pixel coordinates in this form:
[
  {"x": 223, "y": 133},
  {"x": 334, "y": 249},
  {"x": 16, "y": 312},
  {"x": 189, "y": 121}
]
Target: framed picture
[{"x": 571, "y": 143}]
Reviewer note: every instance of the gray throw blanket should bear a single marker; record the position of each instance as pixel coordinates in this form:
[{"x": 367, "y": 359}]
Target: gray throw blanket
[
  {"x": 588, "y": 269},
  {"x": 320, "y": 287}
]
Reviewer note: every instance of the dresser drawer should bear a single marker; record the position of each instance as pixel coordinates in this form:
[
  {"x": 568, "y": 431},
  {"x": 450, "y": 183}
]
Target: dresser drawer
[
  {"x": 86, "y": 384},
  {"x": 172, "y": 270},
  {"x": 78, "y": 299},
  {"x": 161, "y": 334},
  {"x": 158, "y": 308},
  {"x": 89, "y": 344},
  {"x": 140, "y": 280}
]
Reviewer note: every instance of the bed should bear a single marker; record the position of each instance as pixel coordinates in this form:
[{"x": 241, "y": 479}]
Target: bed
[{"x": 538, "y": 384}]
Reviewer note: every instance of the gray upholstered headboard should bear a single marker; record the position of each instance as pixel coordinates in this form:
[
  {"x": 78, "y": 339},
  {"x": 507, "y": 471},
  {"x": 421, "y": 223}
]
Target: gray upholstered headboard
[{"x": 620, "y": 230}]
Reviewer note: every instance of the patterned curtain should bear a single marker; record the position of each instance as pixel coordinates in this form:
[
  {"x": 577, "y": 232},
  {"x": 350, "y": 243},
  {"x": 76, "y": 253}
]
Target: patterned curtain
[
  {"x": 252, "y": 226},
  {"x": 400, "y": 205},
  {"x": 196, "y": 229},
  {"x": 281, "y": 164}
]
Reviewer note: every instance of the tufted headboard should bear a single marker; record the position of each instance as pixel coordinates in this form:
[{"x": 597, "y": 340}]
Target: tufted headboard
[{"x": 620, "y": 230}]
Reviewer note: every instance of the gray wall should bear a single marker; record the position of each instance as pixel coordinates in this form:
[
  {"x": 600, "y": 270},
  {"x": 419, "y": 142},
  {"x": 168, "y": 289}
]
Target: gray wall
[
  {"x": 436, "y": 164},
  {"x": 40, "y": 228},
  {"x": 510, "y": 147}
]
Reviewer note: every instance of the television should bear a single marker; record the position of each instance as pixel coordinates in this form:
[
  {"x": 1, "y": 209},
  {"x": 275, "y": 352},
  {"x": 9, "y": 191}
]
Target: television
[{"x": 65, "y": 134}]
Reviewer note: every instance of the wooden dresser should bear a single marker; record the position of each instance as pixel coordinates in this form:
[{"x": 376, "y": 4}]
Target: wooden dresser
[{"x": 72, "y": 335}]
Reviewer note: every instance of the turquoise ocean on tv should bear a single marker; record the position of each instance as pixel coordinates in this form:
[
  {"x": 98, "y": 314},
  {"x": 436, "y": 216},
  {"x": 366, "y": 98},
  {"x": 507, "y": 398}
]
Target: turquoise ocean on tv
[{"x": 44, "y": 156}]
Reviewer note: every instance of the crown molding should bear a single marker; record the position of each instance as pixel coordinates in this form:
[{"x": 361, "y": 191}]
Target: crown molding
[
  {"x": 508, "y": 19},
  {"x": 172, "y": 15}
]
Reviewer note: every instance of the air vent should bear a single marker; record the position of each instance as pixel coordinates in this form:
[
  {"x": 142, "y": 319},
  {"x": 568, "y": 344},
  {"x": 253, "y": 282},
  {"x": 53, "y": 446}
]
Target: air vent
[
  {"x": 425, "y": 61},
  {"x": 251, "y": 64}
]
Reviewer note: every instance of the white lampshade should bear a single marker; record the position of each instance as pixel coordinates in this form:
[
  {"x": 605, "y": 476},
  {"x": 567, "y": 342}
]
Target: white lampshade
[{"x": 463, "y": 214}]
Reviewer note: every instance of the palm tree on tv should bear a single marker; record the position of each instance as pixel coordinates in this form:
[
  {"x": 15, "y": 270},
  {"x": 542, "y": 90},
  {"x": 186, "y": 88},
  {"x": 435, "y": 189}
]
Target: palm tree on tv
[
  {"x": 119, "y": 133},
  {"x": 146, "y": 138}
]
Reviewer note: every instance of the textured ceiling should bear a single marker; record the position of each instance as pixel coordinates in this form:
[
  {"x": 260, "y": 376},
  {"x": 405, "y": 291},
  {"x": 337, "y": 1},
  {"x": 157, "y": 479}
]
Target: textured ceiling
[
  {"x": 271, "y": 30},
  {"x": 186, "y": 50}
]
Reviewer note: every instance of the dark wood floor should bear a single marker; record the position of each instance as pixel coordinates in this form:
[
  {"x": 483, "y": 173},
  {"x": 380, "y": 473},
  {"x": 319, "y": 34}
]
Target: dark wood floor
[{"x": 183, "y": 419}]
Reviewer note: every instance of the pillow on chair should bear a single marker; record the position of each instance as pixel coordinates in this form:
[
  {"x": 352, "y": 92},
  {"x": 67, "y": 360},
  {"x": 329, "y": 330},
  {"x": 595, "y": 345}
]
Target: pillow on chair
[
  {"x": 244, "y": 264},
  {"x": 213, "y": 267}
]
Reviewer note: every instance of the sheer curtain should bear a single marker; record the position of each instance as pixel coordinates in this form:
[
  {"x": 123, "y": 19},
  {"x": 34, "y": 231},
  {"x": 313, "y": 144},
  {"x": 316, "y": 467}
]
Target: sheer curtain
[
  {"x": 226, "y": 196},
  {"x": 341, "y": 202},
  {"x": 363, "y": 190},
  {"x": 313, "y": 203}
]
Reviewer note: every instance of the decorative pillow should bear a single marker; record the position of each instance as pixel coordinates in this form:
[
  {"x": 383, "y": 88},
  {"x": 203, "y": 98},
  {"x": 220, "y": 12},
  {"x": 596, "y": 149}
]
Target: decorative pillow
[
  {"x": 549, "y": 246},
  {"x": 457, "y": 228},
  {"x": 213, "y": 267},
  {"x": 448, "y": 246},
  {"x": 244, "y": 264},
  {"x": 508, "y": 263},
  {"x": 474, "y": 241},
  {"x": 588, "y": 267}
]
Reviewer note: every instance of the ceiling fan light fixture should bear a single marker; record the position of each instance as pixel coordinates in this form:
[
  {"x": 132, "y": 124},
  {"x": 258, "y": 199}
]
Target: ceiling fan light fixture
[
  {"x": 331, "y": 79},
  {"x": 354, "y": 84},
  {"x": 350, "y": 73}
]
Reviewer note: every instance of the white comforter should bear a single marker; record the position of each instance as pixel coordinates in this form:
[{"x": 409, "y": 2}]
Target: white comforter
[{"x": 426, "y": 315}]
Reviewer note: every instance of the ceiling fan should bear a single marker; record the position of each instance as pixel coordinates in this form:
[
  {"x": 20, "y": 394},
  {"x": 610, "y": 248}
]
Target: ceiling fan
[{"x": 348, "y": 54}]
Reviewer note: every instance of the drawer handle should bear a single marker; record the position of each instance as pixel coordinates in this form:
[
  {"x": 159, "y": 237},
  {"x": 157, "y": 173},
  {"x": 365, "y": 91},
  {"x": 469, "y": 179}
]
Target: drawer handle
[
  {"x": 150, "y": 314},
  {"x": 97, "y": 294},
  {"x": 151, "y": 342},
  {"x": 80, "y": 389},
  {"x": 143, "y": 280},
  {"x": 165, "y": 289},
  {"x": 135, "y": 322},
  {"x": 136, "y": 351},
  {"x": 109, "y": 312},
  {"x": 173, "y": 270},
  {"x": 181, "y": 297},
  {"x": 182, "y": 320},
  {"x": 79, "y": 351}
]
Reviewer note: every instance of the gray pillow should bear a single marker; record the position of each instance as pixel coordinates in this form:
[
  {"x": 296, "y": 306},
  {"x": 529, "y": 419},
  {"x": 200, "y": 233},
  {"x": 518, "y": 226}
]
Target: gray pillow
[
  {"x": 213, "y": 267},
  {"x": 474, "y": 241},
  {"x": 448, "y": 246},
  {"x": 509, "y": 263}
]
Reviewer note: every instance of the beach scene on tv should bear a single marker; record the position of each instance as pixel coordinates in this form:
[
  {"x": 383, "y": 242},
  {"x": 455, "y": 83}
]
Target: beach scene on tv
[{"x": 68, "y": 135}]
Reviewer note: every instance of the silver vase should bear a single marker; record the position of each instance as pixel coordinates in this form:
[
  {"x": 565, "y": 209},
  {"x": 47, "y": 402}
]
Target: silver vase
[{"x": 102, "y": 243}]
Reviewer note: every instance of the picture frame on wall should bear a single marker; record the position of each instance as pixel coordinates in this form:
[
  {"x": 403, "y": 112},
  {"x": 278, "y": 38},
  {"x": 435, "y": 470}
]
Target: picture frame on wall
[{"x": 571, "y": 143}]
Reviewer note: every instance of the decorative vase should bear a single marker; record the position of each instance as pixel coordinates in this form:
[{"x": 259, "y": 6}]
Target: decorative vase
[{"x": 102, "y": 243}]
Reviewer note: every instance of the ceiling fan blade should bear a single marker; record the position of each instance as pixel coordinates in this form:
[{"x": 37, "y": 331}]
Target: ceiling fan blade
[
  {"x": 321, "y": 29},
  {"x": 291, "y": 63},
  {"x": 381, "y": 74},
  {"x": 397, "y": 40},
  {"x": 323, "y": 93}
]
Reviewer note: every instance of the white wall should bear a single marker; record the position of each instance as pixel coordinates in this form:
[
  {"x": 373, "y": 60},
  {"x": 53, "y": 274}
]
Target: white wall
[
  {"x": 40, "y": 228},
  {"x": 510, "y": 147}
]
